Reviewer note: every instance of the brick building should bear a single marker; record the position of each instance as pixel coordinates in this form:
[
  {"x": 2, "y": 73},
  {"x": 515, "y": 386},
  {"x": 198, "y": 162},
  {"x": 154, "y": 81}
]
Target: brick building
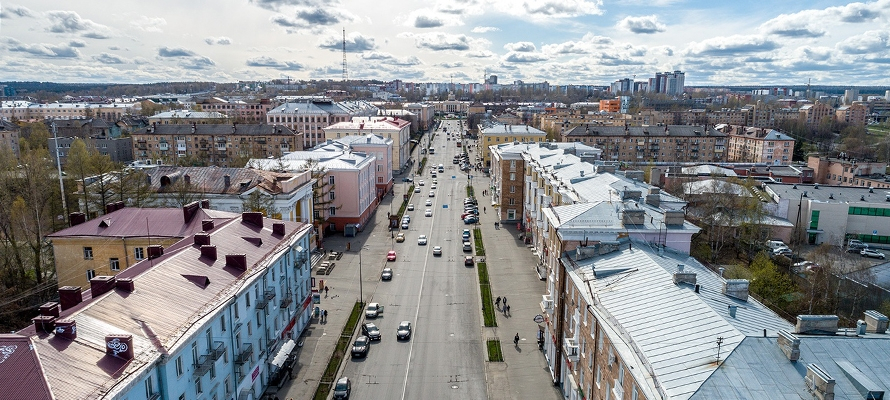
[{"x": 670, "y": 143}]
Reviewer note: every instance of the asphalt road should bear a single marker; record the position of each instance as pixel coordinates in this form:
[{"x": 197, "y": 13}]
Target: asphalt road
[{"x": 444, "y": 359}]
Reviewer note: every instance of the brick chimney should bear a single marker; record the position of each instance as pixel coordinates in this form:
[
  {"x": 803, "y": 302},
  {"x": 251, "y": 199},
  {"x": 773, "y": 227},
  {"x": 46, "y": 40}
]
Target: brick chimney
[
  {"x": 101, "y": 284},
  {"x": 155, "y": 251},
  {"x": 125, "y": 284},
  {"x": 202, "y": 239},
  {"x": 207, "y": 225},
  {"x": 119, "y": 346},
  {"x": 50, "y": 309},
  {"x": 253, "y": 218},
  {"x": 66, "y": 328},
  {"x": 44, "y": 323},
  {"x": 737, "y": 288},
  {"x": 70, "y": 296},
  {"x": 189, "y": 210},
  {"x": 208, "y": 251},
  {"x": 278, "y": 228},
  {"x": 76, "y": 218}
]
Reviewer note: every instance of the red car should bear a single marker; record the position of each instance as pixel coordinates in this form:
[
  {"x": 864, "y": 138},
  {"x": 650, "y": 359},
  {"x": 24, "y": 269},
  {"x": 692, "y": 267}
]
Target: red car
[{"x": 391, "y": 256}]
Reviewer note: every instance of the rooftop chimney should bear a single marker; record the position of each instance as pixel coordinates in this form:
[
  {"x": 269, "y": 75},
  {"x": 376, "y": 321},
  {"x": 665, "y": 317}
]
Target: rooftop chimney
[
  {"x": 44, "y": 323},
  {"x": 875, "y": 321},
  {"x": 207, "y": 225},
  {"x": 205, "y": 204},
  {"x": 208, "y": 251},
  {"x": 70, "y": 296},
  {"x": 227, "y": 180},
  {"x": 50, "y": 309},
  {"x": 684, "y": 277},
  {"x": 119, "y": 346},
  {"x": 100, "y": 285},
  {"x": 737, "y": 288},
  {"x": 155, "y": 251},
  {"x": 189, "y": 210},
  {"x": 125, "y": 284},
  {"x": 253, "y": 218},
  {"x": 66, "y": 328},
  {"x": 789, "y": 344},
  {"x": 202, "y": 239},
  {"x": 634, "y": 216},
  {"x": 278, "y": 228},
  {"x": 653, "y": 200},
  {"x": 76, "y": 218},
  {"x": 816, "y": 324},
  {"x": 237, "y": 261},
  {"x": 819, "y": 382}
]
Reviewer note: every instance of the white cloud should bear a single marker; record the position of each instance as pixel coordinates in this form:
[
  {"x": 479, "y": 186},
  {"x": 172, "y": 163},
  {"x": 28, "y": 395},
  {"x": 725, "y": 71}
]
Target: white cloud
[
  {"x": 648, "y": 24},
  {"x": 867, "y": 42},
  {"x": 730, "y": 45},
  {"x": 484, "y": 29},
  {"x": 148, "y": 24},
  {"x": 222, "y": 40},
  {"x": 71, "y": 22},
  {"x": 522, "y": 57},
  {"x": 523, "y": 47}
]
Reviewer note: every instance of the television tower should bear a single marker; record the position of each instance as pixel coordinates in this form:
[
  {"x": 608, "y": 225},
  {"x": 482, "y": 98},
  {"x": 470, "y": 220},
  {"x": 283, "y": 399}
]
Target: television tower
[{"x": 344, "y": 55}]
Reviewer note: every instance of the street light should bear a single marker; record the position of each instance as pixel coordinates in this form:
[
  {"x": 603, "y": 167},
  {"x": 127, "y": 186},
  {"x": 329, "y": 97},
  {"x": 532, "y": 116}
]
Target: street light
[{"x": 360, "y": 291}]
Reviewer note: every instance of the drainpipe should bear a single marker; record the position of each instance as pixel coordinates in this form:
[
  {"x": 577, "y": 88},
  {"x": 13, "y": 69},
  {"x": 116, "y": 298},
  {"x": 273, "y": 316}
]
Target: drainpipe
[{"x": 558, "y": 316}]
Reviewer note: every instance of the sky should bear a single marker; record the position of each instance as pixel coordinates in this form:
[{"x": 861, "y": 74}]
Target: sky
[{"x": 715, "y": 42}]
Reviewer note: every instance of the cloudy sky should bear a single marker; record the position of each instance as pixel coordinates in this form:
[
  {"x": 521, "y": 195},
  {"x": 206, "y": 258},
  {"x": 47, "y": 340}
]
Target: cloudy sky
[{"x": 560, "y": 41}]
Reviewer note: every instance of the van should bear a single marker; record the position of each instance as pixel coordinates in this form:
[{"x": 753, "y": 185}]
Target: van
[
  {"x": 432, "y": 150},
  {"x": 775, "y": 244}
]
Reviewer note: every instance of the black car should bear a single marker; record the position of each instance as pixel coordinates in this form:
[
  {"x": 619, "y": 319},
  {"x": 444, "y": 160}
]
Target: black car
[
  {"x": 468, "y": 261},
  {"x": 371, "y": 331},
  {"x": 361, "y": 346},
  {"x": 404, "y": 331}
]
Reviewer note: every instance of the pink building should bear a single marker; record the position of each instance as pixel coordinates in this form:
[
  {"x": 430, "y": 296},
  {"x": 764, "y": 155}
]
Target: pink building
[
  {"x": 346, "y": 194},
  {"x": 377, "y": 145}
]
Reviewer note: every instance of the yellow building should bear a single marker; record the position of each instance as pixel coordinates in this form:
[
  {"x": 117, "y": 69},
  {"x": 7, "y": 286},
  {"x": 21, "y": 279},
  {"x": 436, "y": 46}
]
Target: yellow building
[
  {"x": 499, "y": 134},
  {"x": 121, "y": 238}
]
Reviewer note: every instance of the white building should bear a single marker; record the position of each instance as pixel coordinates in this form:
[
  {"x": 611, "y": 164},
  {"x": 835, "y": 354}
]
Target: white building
[{"x": 394, "y": 128}]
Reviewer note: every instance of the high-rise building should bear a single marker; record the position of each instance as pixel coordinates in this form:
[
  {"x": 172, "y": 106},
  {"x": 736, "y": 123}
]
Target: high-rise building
[{"x": 671, "y": 83}]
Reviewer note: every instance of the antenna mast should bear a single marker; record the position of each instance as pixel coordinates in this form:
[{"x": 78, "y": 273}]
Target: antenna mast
[{"x": 344, "y": 55}]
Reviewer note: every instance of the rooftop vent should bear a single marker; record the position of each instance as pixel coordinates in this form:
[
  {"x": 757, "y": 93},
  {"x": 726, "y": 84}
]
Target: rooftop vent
[
  {"x": 653, "y": 200},
  {"x": 816, "y": 324},
  {"x": 816, "y": 186},
  {"x": 863, "y": 384},
  {"x": 227, "y": 180},
  {"x": 789, "y": 344},
  {"x": 100, "y": 285},
  {"x": 819, "y": 383},
  {"x": 189, "y": 210},
  {"x": 207, "y": 225},
  {"x": 208, "y": 251},
  {"x": 70, "y": 296},
  {"x": 44, "y": 323},
  {"x": 237, "y": 261},
  {"x": 634, "y": 217},
  {"x": 119, "y": 346},
  {"x": 862, "y": 198},
  {"x": 681, "y": 276},
  {"x": 65, "y": 328},
  {"x": 875, "y": 321},
  {"x": 77, "y": 218},
  {"x": 253, "y": 218},
  {"x": 278, "y": 228},
  {"x": 205, "y": 204},
  {"x": 50, "y": 309},
  {"x": 202, "y": 239},
  {"x": 125, "y": 284},
  {"x": 674, "y": 217},
  {"x": 737, "y": 288}
]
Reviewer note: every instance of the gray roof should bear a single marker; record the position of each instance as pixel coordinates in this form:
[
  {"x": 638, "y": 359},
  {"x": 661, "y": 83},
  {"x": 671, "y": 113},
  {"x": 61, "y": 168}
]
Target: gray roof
[
  {"x": 221, "y": 129},
  {"x": 667, "y": 326},
  {"x": 824, "y": 193},
  {"x": 757, "y": 368},
  {"x": 518, "y": 130},
  {"x": 669, "y": 130}
]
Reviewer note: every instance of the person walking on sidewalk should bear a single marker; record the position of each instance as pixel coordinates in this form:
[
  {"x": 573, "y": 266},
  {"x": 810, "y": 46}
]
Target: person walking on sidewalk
[
  {"x": 505, "y": 300},
  {"x": 516, "y": 339},
  {"x": 497, "y": 302},
  {"x": 508, "y": 310},
  {"x": 325, "y": 290}
]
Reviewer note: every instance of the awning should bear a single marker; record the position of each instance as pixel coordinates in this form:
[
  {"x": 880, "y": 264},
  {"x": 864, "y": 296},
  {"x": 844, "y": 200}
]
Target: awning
[
  {"x": 283, "y": 353},
  {"x": 815, "y": 231}
]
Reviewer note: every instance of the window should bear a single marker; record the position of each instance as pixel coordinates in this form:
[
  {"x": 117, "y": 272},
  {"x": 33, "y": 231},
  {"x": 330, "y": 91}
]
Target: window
[
  {"x": 512, "y": 176},
  {"x": 236, "y": 310},
  {"x": 247, "y": 298},
  {"x": 331, "y": 179},
  {"x": 249, "y": 329},
  {"x": 91, "y": 273},
  {"x": 599, "y": 377},
  {"x": 115, "y": 264},
  {"x": 149, "y": 387},
  {"x": 179, "y": 366},
  {"x": 87, "y": 253},
  {"x": 332, "y": 195},
  {"x": 139, "y": 253},
  {"x": 198, "y": 388},
  {"x": 332, "y": 211},
  {"x": 512, "y": 189},
  {"x": 259, "y": 319}
]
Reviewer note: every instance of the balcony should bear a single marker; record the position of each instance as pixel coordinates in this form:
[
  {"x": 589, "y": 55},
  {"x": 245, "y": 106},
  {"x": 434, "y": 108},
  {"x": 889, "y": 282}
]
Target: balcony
[
  {"x": 221, "y": 147},
  {"x": 268, "y": 295},
  {"x": 181, "y": 147},
  {"x": 245, "y": 354},
  {"x": 203, "y": 365},
  {"x": 570, "y": 347},
  {"x": 219, "y": 348},
  {"x": 286, "y": 300},
  {"x": 163, "y": 146},
  {"x": 547, "y": 304}
]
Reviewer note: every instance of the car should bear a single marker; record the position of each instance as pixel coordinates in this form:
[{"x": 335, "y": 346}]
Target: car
[
  {"x": 410, "y": 206},
  {"x": 386, "y": 275},
  {"x": 437, "y": 250},
  {"x": 432, "y": 193},
  {"x": 373, "y": 310},
  {"x": 465, "y": 234},
  {"x": 871, "y": 253},
  {"x": 343, "y": 388},
  {"x": 433, "y": 175},
  {"x": 403, "y": 332},
  {"x": 856, "y": 244},
  {"x": 371, "y": 331},
  {"x": 407, "y": 180},
  {"x": 775, "y": 244},
  {"x": 471, "y": 219},
  {"x": 428, "y": 212},
  {"x": 433, "y": 186},
  {"x": 391, "y": 256},
  {"x": 416, "y": 190},
  {"x": 472, "y": 211},
  {"x": 455, "y": 161},
  {"x": 421, "y": 182},
  {"x": 467, "y": 246},
  {"x": 421, "y": 240},
  {"x": 404, "y": 224},
  {"x": 435, "y": 181},
  {"x": 429, "y": 202},
  {"x": 400, "y": 237},
  {"x": 468, "y": 261},
  {"x": 360, "y": 346},
  {"x": 406, "y": 218}
]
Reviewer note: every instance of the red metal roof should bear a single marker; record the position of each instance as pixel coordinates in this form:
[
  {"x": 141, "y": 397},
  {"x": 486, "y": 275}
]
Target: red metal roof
[
  {"x": 20, "y": 375},
  {"x": 171, "y": 294},
  {"x": 142, "y": 222}
]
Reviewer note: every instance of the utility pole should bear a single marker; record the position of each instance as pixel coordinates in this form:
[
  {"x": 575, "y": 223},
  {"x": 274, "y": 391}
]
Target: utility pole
[
  {"x": 59, "y": 170},
  {"x": 345, "y": 76}
]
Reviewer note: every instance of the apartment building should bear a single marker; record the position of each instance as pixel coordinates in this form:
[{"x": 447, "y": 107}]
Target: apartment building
[
  {"x": 396, "y": 129},
  {"x": 855, "y": 114},
  {"x": 210, "y": 316},
  {"x": 221, "y": 145},
  {"x": 9, "y": 136},
  {"x": 846, "y": 171},
  {"x": 96, "y": 133},
  {"x": 309, "y": 116},
  {"x": 188, "y": 117},
  {"x": 239, "y": 111},
  {"x": 757, "y": 145},
  {"x": 379, "y": 146},
  {"x": 346, "y": 195},
  {"x": 29, "y": 112},
  {"x": 497, "y": 134},
  {"x": 813, "y": 114},
  {"x": 670, "y": 143},
  {"x": 425, "y": 114}
]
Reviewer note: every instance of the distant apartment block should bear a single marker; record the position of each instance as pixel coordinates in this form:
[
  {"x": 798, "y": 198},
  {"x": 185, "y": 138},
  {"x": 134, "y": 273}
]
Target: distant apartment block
[
  {"x": 813, "y": 114},
  {"x": 187, "y": 117},
  {"x": 424, "y": 113},
  {"x": 502, "y": 133},
  {"x": 670, "y": 143},
  {"x": 28, "y": 111},
  {"x": 758, "y": 145},
  {"x": 9, "y": 136},
  {"x": 97, "y": 134},
  {"x": 221, "y": 145},
  {"x": 309, "y": 116},
  {"x": 856, "y": 114},
  {"x": 846, "y": 171},
  {"x": 236, "y": 110}
]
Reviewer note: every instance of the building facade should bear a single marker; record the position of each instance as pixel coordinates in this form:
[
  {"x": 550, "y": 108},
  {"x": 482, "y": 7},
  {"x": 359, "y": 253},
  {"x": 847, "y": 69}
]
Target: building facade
[
  {"x": 310, "y": 116},
  {"x": 643, "y": 144},
  {"x": 188, "y": 117},
  {"x": 379, "y": 146},
  {"x": 846, "y": 171},
  {"x": 28, "y": 111},
  {"x": 758, "y": 145},
  {"x": 391, "y": 128},
  {"x": 238, "y": 111},
  {"x": 498, "y": 134}
]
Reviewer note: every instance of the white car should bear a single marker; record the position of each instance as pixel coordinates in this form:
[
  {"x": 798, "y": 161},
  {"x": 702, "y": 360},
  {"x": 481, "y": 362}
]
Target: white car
[
  {"x": 410, "y": 207},
  {"x": 420, "y": 182},
  {"x": 437, "y": 250},
  {"x": 432, "y": 193},
  {"x": 429, "y": 212},
  {"x": 421, "y": 240},
  {"x": 417, "y": 190},
  {"x": 429, "y": 202},
  {"x": 432, "y": 186}
]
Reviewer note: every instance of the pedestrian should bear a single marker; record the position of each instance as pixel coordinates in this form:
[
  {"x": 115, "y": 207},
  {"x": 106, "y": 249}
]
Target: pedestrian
[
  {"x": 325, "y": 290},
  {"x": 325, "y": 315},
  {"x": 485, "y": 210},
  {"x": 508, "y": 311},
  {"x": 497, "y": 302},
  {"x": 516, "y": 339},
  {"x": 505, "y": 300}
]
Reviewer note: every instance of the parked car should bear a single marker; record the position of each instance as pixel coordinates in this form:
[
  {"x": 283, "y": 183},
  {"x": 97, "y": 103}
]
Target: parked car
[
  {"x": 871, "y": 253},
  {"x": 404, "y": 331},
  {"x": 361, "y": 346},
  {"x": 471, "y": 220},
  {"x": 371, "y": 331},
  {"x": 421, "y": 240},
  {"x": 468, "y": 246},
  {"x": 373, "y": 310},
  {"x": 343, "y": 388},
  {"x": 386, "y": 275},
  {"x": 407, "y": 180},
  {"x": 466, "y": 234},
  {"x": 400, "y": 237},
  {"x": 416, "y": 190},
  {"x": 410, "y": 207},
  {"x": 783, "y": 251},
  {"x": 468, "y": 261},
  {"x": 775, "y": 244},
  {"x": 391, "y": 256},
  {"x": 404, "y": 224},
  {"x": 855, "y": 244},
  {"x": 437, "y": 250}
]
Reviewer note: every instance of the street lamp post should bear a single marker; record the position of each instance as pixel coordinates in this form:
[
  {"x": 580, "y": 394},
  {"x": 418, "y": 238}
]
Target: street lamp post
[{"x": 361, "y": 294}]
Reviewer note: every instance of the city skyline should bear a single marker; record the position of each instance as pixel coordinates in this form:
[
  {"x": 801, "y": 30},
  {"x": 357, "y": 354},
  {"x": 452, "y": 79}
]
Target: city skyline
[{"x": 562, "y": 42}]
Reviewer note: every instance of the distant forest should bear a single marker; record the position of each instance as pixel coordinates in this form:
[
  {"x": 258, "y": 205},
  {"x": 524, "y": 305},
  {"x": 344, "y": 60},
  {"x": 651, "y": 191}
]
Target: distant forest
[{"x": 51, "y": 91}]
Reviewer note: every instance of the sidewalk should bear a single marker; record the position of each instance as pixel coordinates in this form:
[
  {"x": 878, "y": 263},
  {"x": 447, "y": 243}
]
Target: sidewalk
[{"x": 511, "y": 267}]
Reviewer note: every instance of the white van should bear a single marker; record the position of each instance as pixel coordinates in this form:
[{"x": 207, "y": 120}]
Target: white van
[{"x": 775, "y": 244}]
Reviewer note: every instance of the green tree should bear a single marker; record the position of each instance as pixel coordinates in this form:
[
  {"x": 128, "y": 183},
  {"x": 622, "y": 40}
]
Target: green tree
[
  {"x": 769, "y": 283},
  {"x": 77, "y": 165},
  {"x": 36, "y": 134}
]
